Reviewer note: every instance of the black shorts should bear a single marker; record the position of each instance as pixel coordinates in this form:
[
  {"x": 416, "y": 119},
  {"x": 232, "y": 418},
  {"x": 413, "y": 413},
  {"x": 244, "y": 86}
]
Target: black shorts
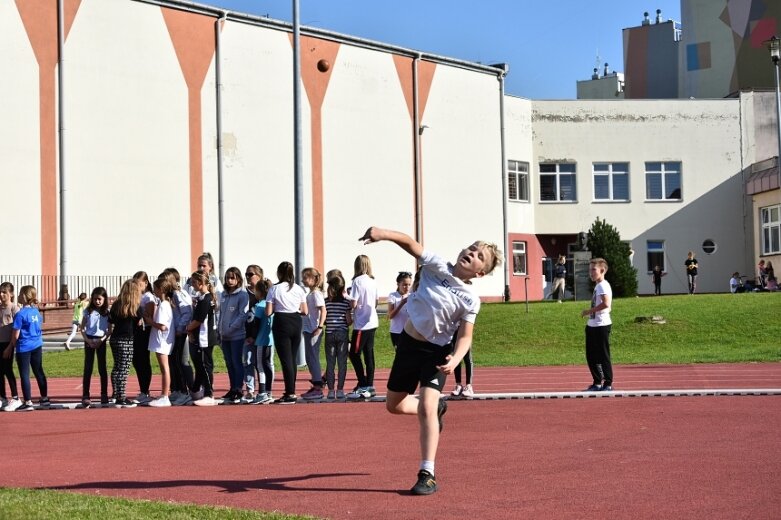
[{"x": 416, "y": 364}]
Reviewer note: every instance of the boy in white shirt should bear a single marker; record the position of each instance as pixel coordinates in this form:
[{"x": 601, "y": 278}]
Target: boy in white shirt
[
  {"x": 598, "y": 329},
  {"x": 443, "y": 299}
]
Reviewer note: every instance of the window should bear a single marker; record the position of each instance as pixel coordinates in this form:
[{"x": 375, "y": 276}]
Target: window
[
  {"x": 611, "y": 181},
  {"x": 519, "y": 258},
  {"x": 709, "y": 246},
  {"x": 518, "y": 181},
  {"x": 663, "y": 181},
  {"x": 655, "y": 250},
  {"x": 557, "y": 182},
  {"x": 771, "y": 229}
]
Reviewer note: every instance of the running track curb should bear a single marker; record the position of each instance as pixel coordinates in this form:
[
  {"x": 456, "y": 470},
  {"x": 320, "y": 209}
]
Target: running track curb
[{"x": 512, "y": 396}]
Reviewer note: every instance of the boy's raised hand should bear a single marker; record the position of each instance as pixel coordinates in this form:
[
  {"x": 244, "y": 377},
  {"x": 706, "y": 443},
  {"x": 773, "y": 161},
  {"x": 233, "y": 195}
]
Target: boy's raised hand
[{"x": 373, "y": 234}]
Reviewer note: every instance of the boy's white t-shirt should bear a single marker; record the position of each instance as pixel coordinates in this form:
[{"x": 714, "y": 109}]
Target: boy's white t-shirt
[
  {"x": 163, "y": 341},
  {"x": 364, "y": 292},
  {"x": 600, "y": 318},
  {"x": 441, "y": 302},
  {"x": 398, "y": 321}
]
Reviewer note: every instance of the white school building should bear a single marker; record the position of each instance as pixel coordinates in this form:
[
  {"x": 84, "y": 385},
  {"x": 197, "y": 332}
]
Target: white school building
[{"x": 144, "y": 132}]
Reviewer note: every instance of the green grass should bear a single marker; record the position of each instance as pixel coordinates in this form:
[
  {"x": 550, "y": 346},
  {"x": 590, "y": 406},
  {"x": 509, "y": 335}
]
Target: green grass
[
  {"x": 705, "y": 328},
  {"x": 700, "y": 329},
  {"x": 23, "y": 504}
]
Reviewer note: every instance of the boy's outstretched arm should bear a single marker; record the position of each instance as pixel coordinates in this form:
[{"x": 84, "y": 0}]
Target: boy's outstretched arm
[{"x": 375, "y": 234}]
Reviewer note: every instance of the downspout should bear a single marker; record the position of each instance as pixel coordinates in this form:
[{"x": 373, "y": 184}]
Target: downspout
[
  {"x": 218, "y": 107},
  {"x": 504, "y": 70},
  {"x": 63, "y": 295},
  {"x": 418, "y": 130},
  {"x": 298, "y": 150}
]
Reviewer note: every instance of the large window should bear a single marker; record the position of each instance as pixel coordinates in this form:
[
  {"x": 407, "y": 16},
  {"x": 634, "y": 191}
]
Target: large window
[
  {"x": 557, "y": 182},
  {"x": 611, "y": 181},
  {"x": 519, "y": 258},
  {"x": 771, "y": 229},
  {"x": 655, "y": 250},
  {"x": 518, "y": 181},
  {"x": 663, "y": 181}
]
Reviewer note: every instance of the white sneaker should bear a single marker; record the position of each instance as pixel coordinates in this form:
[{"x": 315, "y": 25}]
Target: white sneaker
[
  {"x": 142, "y": 398},
  {"x": 12, "y": 405},
  {"x": 468, "y": 391},
  {"x": 206, "y": 401},
  {"x": 457, "y": 391},
  {"x": 160, "y": 402}
]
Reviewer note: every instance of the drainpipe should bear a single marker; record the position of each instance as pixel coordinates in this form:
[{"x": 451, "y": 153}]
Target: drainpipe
[
  {"x": 418, "y": 130},
  {"x": 63, "y": 295},
  {"x": 504, "y": 70},
  {"x": 218, "y": 107},
  {"x": 298, "y": 154}
]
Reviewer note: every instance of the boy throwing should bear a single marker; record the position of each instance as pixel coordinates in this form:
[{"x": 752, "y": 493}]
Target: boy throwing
[
  {"x": 598, "y": 329},
  {"x": 443, "y": 300}
]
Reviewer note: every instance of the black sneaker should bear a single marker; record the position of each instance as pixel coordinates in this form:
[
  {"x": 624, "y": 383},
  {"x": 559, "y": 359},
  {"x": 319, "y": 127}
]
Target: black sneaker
[
  {"x": 86, "y": 403},
  {"x": 441, "y": 411},
  {"x": 425, "y": 485},
  {"x": 287, "y": 399},
  {"x": 593, "y": 388},
  {"x": 606, "y": 388},
  {"x": 44, "y": 402},
  {"x": 125, "y": 403},
  {"x": 27, "y": 406}
]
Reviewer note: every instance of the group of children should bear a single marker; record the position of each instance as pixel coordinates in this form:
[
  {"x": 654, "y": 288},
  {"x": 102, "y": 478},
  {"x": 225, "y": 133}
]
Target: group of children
[{"x": 431, "y": 329}]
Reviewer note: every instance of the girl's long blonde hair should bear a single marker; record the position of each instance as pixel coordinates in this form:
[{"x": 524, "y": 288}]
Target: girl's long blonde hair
[
  {"x": 129, "y": 300},
  {"x": 362, "y": 266}
]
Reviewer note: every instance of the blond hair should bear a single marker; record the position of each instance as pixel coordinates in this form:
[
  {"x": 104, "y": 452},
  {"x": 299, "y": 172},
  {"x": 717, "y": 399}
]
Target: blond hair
[
  {"x": 315, "y": 275},
  {"x": 28, "y": 295},
  {"x": 496, "y": 255},
  {"x": 129, "y": 300},
  {"x": 599, "y": 262},
  {"x": 362, "y": 266}
]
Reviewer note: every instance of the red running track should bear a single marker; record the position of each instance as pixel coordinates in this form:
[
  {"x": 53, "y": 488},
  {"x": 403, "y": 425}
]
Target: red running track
[{"x": 676, "y": 457}]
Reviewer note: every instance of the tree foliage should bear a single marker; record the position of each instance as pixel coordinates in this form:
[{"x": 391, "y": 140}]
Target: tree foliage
[{"x": 604, "y": 241}]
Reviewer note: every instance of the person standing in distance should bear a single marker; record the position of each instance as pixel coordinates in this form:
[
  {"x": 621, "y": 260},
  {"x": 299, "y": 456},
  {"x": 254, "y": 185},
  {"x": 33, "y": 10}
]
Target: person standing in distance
[
  {"x": 598, "y": 329},
  {"x": 691, "y": 271}
]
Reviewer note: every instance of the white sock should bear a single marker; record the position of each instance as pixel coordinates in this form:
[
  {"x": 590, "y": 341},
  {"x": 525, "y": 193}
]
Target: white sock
[{"x": 427, "y": 465}]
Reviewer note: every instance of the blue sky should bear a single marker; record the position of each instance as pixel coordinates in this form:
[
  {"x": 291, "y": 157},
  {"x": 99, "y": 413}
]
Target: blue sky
[{"x": 549, "y": 44}]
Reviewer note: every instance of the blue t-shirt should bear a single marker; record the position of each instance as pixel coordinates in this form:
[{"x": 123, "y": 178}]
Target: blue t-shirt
[
  {"x": 28, "y": 322},
  {"x": 263, "y": 339}
]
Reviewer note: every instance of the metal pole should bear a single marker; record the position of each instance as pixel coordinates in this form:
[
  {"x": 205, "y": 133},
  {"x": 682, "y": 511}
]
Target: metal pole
[
  {"x": 218, "y": 109},
  {"x": 526, "y": 290},
  {"x": 298, "y": 176},
  {"x": 778, "y": 121},
  {"x": 63, "y": 295},
  {"x": 503, "y": 171},
  {"x": 417, "y": 133}
]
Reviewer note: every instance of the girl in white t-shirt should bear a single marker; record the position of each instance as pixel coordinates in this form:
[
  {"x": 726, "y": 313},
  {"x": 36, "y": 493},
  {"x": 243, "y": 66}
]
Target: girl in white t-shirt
[
  {"x": 363, "y": 294},
  {"x": 313, "y": 325},
  {"x": 161, "y": 339},
  {"x": 397, "y": 310},
  {"x": 287, "y": 302}
]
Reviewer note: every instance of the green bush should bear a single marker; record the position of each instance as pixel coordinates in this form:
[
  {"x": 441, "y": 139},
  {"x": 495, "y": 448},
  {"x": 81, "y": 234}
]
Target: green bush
[{"x": 604, "y": 241}]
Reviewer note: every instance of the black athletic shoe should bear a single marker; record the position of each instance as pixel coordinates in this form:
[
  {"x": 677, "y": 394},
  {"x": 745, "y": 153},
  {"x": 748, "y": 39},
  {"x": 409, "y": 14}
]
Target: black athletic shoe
[
  {"x": 287, "y": 399},
  {"x": 593, "y": 388},
  {"x": 425, "y": 485},
  {"x": 44, "y": 402},
  {"x": 441, "y": 411}
]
